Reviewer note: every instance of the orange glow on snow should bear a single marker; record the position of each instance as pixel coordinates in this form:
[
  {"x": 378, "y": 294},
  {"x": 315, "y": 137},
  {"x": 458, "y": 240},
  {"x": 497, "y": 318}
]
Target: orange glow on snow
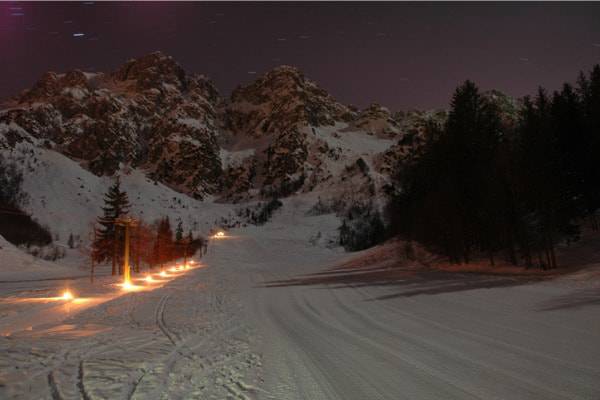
[
  {"x": 128, "y": 286},
  {"x": 67, "y": 295}
]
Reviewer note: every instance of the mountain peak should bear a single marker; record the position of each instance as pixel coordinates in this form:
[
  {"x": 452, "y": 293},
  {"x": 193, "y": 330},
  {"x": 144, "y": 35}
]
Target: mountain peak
[
  {"x": 288, "y": 70},
  {"x": 151, "y": 69},
  {"x": 279, "y": 100}
]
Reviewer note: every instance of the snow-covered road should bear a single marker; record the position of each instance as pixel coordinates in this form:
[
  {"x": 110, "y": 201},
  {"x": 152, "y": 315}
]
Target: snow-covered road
[
  {"x": 179, "y": 339},
  {"x": 262, "y": 320},
  {"x": 433, "y": 335}
]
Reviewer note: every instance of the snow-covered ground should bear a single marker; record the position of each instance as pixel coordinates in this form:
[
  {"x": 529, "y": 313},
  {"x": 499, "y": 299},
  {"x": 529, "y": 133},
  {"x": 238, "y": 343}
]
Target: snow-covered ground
[
  {"x": 67, "y": 198},
  {"x": 265, "y": 317}
]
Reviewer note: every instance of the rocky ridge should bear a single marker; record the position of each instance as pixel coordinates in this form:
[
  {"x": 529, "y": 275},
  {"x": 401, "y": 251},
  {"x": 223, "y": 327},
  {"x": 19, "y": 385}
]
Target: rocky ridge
[{"x": 276, "y": 136}]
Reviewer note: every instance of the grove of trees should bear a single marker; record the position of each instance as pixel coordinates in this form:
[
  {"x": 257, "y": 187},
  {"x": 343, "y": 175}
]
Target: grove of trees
[
  {"x": 17, "y": 226},
  {"x": 153, "y": 244},
  {"x": 492, "y": 184}
]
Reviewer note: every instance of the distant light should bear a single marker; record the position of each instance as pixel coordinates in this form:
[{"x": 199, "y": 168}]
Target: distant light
[
  {"x": 220, "y": 234},
  {"x": 173, "y": 269},
  {"x": 78, "y": 34},
  {"x": 163, "y": 274},
  {"x": 149, "y": 278},
  {"x": 67, "y": 295}
]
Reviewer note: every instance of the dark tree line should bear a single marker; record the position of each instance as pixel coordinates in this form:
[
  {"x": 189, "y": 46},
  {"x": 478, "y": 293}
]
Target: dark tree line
[
  {"x": 16, "y": 226},
  {"x": 155, "y": 245},
  {"x": 484, "y": 185}
]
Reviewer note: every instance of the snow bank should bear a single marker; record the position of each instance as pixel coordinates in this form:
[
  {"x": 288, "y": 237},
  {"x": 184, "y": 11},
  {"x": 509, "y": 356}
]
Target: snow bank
[{"x": 16, "y": 265}]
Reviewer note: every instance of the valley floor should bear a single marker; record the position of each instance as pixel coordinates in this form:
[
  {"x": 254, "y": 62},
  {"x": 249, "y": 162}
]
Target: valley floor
[{"x": 266, "y": 316}]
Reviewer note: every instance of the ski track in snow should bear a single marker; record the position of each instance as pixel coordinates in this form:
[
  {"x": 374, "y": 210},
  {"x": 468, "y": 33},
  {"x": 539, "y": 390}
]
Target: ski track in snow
[{"x": 219, "y": 332}]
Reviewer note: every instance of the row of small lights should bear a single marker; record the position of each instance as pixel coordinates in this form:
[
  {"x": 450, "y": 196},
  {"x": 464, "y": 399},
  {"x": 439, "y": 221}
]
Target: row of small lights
[{"x": 128, "y": 286}]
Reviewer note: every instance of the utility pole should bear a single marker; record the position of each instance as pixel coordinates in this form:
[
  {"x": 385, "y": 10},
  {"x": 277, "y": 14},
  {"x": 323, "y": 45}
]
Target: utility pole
[
  {"x": 138, "y": 248},
  {"x": 126, "y": 222},
  {"x": 186, "y": 243},
  {"x": 92, "y": 256}
]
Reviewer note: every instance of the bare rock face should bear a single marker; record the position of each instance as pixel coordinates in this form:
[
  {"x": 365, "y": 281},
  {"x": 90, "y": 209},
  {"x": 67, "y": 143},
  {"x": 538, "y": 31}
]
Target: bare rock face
[
  {"x": 147, "y": 114},
  {"x": 280, "y": 100},
  {"x": 377, "y": 120},
  {"x": 275, "y": 115}
]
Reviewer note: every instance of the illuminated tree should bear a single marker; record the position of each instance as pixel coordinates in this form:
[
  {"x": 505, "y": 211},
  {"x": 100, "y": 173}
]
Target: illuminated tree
[{"x": 109, "y": 239}]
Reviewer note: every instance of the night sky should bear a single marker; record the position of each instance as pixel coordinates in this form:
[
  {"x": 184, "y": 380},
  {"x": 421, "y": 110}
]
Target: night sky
[{"x": 402, "y": 55}]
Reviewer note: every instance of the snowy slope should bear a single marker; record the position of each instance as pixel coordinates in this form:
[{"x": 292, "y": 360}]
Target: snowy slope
[
  {"x": 371, "y": 329},
  {"x": 268, "y": 317},
  {"x": 18, "y": 265},
  {"x": 67, "y": 198}
]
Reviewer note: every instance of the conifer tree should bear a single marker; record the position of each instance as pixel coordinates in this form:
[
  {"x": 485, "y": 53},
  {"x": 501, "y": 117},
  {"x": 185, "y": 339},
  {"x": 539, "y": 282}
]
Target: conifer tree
[
  {"x": 589, "y": 95},
  {"x": 179, "y": 232},
  {"x": 109, "y": 240},
  {"x": 163, "y": 248}
]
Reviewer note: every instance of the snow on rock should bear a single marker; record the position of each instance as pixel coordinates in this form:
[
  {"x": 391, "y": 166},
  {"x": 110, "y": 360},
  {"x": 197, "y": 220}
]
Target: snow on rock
[
  {"x": 234, "y": 158},
  {"x": 279, "y": 135},
  {"x": 135, "y": 115}
]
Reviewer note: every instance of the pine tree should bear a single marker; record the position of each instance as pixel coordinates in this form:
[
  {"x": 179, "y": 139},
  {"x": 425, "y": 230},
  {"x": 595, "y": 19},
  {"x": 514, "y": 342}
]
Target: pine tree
[
  {"x": 179, "y": 232},
  {"x": 163, "y": 247},
  {"x": 485, "y": 184},
  {"x": 11, "y": 186},
  {"x": 589, "y": 95},
  {"x": 109, "y": 239}
]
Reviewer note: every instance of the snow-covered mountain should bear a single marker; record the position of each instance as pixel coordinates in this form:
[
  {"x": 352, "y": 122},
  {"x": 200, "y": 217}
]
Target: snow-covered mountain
[
  {"x": 148, "y": 114},
  {"x": 276, "y": 136},
  {"x": 284, "y": 134},
  {"x": 176, "y": 142}
]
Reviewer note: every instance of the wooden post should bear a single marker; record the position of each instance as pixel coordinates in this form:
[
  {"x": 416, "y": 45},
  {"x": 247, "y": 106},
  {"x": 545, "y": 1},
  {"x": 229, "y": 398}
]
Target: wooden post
[
  {"x": 126, "y": 270},
  {"x": 92, "y": 256},
  {"x": 126, "y": 222},
  {"x": 185, "y": 248},
  {"x": 138, "y": 249}
]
